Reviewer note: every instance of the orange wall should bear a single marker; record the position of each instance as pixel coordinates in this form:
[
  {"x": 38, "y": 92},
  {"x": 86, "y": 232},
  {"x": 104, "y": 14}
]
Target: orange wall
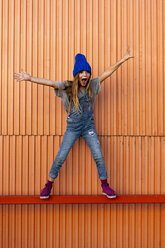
[{"x": 43, "y": 37}]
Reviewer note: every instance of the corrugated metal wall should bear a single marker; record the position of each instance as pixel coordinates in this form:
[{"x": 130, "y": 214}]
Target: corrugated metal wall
[{"x": 43, "y": 37}]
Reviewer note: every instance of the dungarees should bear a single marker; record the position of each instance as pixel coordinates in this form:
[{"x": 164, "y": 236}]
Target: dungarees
[{"x": 80, "y": 124}]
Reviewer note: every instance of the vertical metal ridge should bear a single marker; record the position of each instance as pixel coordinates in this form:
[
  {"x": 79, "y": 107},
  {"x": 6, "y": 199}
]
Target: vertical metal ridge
[
  {"x": 29, "y": 53},
  {"x": 95, "y": 53},
  {"x": 1, "y": 20},
  {"x": 154, "y": 67},
  {"x": 23, "y": 37},
  {"x": 10, "y": 68},
  {"x": 46, "y": 67},
  {"x": 101, "y": 27},
  {"x": 4, "y": 77},
  {"x": 65, "y": 54},
  {"x": 160, "y": 62},
  {"x": 142, "y": 70},
  {"x": 59, "y": 54},
  {"x": 40, "y": 100},
  {"x": 34, "y": 67},
  {"x": 148, "y": 68},
  {"x": 52, "y": 69}
]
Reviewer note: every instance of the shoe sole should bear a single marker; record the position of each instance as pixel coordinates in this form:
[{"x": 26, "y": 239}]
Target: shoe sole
[
  {"x": 109, "y": 196},
  {"x": 44, "y": 197}
]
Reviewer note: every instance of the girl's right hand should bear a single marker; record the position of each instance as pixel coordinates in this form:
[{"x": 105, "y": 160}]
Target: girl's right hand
[
  {"x": 127, "y": 54},
  {"x": 23, "y": 76}
]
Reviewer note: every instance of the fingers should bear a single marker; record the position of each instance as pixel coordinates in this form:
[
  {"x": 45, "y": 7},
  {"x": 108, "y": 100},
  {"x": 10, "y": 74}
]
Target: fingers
[
  {"x": 18, "y": 76},
  {"x": 128, "y": 52}
]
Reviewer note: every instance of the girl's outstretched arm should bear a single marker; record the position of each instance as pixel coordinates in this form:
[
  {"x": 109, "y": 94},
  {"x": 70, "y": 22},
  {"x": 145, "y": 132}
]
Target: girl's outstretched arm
[
  {"x": 24, "y": 76},
  {"x": 113, "y": 68}
]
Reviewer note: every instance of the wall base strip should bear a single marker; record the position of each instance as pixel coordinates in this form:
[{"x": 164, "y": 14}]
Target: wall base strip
[{"x": 83, "y": 199}]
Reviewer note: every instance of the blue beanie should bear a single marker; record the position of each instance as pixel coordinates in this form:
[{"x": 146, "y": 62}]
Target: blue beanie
[{"x": 81, "y": 64}]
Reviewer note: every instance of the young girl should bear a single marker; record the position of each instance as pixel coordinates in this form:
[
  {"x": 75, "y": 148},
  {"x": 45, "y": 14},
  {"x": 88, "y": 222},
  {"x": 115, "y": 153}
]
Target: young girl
[{"x": 78, "y": 97}]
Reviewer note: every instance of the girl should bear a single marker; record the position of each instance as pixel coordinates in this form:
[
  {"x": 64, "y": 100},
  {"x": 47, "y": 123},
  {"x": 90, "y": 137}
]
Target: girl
[{"x": 78, "y": 97}]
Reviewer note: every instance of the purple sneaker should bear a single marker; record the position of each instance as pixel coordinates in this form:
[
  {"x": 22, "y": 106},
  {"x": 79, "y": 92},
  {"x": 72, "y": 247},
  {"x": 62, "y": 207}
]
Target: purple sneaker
[
  {"x": 45, "y": 193},
  {"x": 110, "y": 193}
]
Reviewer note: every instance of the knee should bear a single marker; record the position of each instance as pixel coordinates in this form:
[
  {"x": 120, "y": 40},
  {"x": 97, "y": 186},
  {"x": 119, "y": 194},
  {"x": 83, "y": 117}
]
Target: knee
[{"x": 59, "y": 161}]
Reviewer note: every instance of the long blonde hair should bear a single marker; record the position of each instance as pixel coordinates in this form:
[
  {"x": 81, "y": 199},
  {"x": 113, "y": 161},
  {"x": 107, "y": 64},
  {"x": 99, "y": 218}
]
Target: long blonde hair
[{"x": 72, "y": 91}]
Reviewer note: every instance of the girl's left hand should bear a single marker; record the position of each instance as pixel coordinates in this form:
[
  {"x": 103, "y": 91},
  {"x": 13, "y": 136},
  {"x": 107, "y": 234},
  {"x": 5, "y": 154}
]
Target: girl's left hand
[{"x": 127, "y": 55}]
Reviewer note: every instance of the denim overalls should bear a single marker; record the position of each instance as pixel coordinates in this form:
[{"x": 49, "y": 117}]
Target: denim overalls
[{"x": 80, "y": 124}]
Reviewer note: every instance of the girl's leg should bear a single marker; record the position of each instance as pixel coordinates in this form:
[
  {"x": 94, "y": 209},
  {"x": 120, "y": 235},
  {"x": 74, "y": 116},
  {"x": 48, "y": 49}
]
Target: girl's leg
[
  {"x": 92, "y": 140},
  {"x": 67, "y": 143}
]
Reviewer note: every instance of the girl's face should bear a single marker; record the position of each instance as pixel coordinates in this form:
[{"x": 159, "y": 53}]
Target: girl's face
[{"x": 83, "y": 78}]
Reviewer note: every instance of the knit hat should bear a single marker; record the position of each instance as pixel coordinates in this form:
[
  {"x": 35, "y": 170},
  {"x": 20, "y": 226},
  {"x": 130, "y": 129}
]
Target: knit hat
[{"x": 81, "y": 64}]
